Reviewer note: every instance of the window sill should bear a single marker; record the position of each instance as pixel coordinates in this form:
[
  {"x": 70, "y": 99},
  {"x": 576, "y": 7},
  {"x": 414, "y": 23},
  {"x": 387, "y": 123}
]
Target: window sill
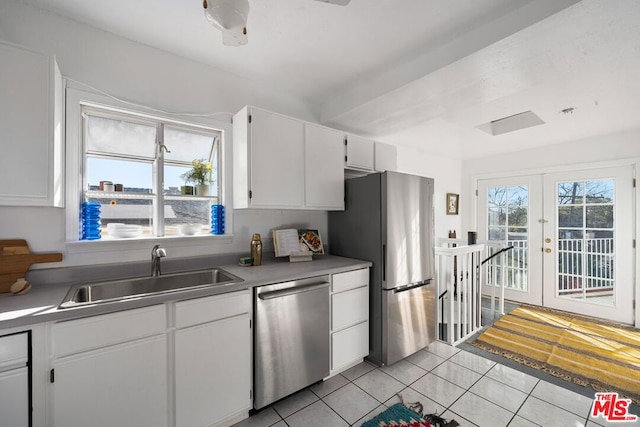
[{"x": 108, "y": 245}]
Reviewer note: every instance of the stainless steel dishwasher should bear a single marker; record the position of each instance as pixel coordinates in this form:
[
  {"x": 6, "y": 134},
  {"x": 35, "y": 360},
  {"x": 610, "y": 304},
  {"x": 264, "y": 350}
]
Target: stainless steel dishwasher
[{"x": 291, "y": 337}]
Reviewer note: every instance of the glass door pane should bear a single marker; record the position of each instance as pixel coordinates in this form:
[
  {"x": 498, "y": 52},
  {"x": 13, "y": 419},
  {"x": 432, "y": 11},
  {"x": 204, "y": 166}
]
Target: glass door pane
[
  {"x": 588, "y": 242},
  {"x": 508, "y": 213},
  {"x": 586, "y": 262}
]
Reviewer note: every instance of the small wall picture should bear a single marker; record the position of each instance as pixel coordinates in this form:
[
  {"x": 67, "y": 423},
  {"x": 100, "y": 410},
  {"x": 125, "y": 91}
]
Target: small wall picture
[{"x": 452, "y": 203}]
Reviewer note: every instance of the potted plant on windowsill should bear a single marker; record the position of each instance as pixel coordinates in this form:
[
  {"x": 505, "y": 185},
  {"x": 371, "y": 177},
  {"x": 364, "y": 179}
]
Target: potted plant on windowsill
[{"x": 200, "y": 175}]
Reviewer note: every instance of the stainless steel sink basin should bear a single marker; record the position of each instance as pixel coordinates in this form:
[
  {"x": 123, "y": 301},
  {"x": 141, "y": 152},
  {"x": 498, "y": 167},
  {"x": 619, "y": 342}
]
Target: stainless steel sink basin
[{"x": 119, "y": 290}]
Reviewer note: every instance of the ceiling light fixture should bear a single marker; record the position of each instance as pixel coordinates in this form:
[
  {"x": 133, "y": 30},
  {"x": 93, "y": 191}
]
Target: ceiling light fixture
[{"x": 230, "y": 17}]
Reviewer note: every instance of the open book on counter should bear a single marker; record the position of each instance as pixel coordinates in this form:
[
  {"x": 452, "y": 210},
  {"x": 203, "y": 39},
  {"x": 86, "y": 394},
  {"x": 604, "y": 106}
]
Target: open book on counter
[{"x": 301, "y": 244}]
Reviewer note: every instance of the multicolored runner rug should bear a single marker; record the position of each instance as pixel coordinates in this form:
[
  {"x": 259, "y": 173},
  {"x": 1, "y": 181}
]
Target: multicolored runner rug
[{"x": 586, "y": 351}]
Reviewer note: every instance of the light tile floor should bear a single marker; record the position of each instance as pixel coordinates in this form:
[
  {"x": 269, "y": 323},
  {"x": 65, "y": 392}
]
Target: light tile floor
[{"x": 451, "y": 382}]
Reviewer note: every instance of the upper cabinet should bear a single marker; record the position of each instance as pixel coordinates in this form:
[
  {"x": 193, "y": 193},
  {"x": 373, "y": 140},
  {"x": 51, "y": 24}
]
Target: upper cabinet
[
  {"x": 385, "y": 157},
  {"x": 324, "y": 168},
  {"x": 359, "y": 153},
  {"x": 284, "y": 163},
  {"x": 31, "y": 106},
  {"x": 268, "y": 160}
]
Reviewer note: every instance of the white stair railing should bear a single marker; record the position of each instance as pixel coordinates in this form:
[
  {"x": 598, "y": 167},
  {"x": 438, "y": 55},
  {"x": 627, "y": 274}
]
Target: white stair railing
[
  {"x": 495, "y": 278},
  {"x": 460, "y": 276}
]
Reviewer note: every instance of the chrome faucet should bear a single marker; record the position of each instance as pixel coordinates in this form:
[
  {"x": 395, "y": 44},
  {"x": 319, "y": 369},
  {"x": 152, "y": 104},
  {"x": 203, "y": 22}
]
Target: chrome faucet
[{"x": 156, "y": 253}]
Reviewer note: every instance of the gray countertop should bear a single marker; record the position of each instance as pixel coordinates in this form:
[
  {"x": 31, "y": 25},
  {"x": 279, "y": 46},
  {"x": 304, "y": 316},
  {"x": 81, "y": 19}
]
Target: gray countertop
[{"x": 41, "y": 303}]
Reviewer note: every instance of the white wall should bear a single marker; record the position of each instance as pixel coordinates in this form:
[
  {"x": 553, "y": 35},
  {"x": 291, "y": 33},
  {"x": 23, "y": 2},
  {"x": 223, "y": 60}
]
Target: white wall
[
  {"x": 446, "y": 173},
  {"x": 583, "y": 153},
  {"x": 153, "y": 78}
]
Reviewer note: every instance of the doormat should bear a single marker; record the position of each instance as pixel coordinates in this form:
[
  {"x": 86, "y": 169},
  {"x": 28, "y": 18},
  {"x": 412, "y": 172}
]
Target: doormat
[
  {"x": 586, "y": 351},
  {"x": 409, "y": 415}
]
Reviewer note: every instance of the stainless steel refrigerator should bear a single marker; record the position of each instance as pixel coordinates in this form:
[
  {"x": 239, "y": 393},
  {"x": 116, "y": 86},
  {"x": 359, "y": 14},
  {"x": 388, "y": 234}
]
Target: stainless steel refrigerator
[{"x": 388, "y": 220}]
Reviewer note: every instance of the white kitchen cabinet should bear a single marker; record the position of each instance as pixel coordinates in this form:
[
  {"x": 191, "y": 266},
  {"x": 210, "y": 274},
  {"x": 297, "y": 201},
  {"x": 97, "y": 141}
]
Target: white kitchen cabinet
[
  {"x": 110, "y": 370},
  {"x": 323, "y": 167},
  {"x": 268, "y": 160},
  {"x": 349, "y": 319},
  {"x": 213, "y": 360},
  {"x": 14, "y": 380},
  {"x": 385, "y": 157},
  {"x": 31, "y": 107},
  {"x": 359, "y": 153}
]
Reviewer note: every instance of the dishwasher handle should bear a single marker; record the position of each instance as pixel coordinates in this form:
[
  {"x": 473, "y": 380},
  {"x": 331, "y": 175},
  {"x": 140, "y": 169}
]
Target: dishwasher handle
[{"x": 292, "y": 291}]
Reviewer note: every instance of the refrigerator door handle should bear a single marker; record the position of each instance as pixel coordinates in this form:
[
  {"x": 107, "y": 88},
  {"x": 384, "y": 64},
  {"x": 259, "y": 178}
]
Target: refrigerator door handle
[
  {"x": 384, "y": 263},
  {"x": 412, "y": 286}
]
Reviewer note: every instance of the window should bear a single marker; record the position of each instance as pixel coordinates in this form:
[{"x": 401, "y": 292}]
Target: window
[{"x": 136, "y": 166}]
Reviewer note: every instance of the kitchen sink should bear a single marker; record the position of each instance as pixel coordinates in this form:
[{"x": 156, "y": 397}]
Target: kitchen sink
[{"x": 118, "y": 290}]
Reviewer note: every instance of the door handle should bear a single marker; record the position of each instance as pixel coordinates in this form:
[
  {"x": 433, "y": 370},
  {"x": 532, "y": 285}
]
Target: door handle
[
  {"x": 547, "y": 250},
  {"x": 292, "y": 291},
  {"x": 547, "y": 240}
]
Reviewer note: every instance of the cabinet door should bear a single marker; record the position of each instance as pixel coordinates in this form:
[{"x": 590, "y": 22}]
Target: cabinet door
[
  {"x": 324, "y": 167},
  {"x": 213, "y": 372},
  {"x": 30, "y": 85},
  {"x": 349, "y": 345},
  {"x": 385, "y": 157},
  {"x": 14, "y": 405},
  {"x": 121, "y": 385},
  {"x": 277, "y": 160},
  {"x": 359, "y": 153}
]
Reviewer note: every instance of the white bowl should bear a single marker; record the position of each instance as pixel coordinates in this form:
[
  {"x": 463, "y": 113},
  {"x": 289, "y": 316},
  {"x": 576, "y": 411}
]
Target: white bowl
[
  {"x": 124, "y": 231},
  {"x": 190, "y": 229}
]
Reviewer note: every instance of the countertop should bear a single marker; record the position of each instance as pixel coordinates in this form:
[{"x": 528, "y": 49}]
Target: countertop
[{"x": 41, "y": 303}]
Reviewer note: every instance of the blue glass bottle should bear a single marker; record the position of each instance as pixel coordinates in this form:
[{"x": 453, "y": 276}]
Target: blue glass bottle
[
  {"x": 217, "y": 219},
  {"x": 90, "y": 221}
]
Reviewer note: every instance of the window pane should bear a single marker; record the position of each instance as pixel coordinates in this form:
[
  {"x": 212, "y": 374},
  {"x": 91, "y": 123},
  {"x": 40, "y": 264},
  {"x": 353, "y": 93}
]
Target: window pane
[
  {"x": 497, "y": 216},
  {"x": 135, "y": 176},
  {"x": 570, "y": 234},
  {"x": 570, "y": 193},
  {"x": 518, "y": 216},
  {"x": 129, "y": 211},
  {"x": 517, "y": 233},
  {"x": 185, "y": 146},
  {"x": 570, "y": 216},
  {"x": 497, "y": 196},
  {"x": 497, "y": 233},
  {"x": 518, "y": 196},
  {"x": 186, "y": 211},
  {"x": 600, "y": 191},
  {"x": 120, "y": 137},
  {"x": 600, "y": 216}
]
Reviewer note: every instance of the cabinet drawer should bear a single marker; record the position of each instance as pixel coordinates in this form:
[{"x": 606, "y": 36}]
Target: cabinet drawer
[
  {"x": 13, "y": 350},
  {"x": 203, "y": 310},
  {"x": 74, "y": 336},
  {"x": 349, "y": 308},
  {"x": 349, "y": 345},
  {"x": 350, "y": 280}
]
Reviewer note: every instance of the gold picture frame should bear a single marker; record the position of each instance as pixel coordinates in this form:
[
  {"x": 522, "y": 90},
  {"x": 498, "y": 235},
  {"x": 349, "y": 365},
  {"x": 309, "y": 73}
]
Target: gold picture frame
[{"x": 453, "y": 201}]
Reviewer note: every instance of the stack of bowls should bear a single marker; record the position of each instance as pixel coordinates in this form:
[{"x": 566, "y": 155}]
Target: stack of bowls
[
  {"x": 123, "y": 231},
  {"x": 217, "y": 219},
  {"x": 91, "y": 220}
]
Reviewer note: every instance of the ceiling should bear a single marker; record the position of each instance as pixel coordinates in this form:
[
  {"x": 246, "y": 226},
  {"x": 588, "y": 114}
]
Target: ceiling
[{"x": 418, "y": 73}]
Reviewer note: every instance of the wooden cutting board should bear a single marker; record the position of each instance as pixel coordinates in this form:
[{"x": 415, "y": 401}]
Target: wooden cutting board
[{"x": 16, "y": 259}]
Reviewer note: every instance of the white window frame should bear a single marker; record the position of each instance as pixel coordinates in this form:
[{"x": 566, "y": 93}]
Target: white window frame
[{"x": 75, "y": 99}]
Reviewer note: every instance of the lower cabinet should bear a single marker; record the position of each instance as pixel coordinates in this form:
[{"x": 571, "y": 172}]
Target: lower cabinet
[
  {"x": 349, "y": 319},
  {"x": 14, "y": 380},
  {"x": 213, "y": 360},
  {"x": 185, "y": 364},
  {"x": 110, "y": 370},
  {"x": 121, "y": 385}
]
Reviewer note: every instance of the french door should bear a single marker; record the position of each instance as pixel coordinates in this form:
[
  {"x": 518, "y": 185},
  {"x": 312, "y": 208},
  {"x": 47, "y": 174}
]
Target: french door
[{"x": 572, "y": 238}]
